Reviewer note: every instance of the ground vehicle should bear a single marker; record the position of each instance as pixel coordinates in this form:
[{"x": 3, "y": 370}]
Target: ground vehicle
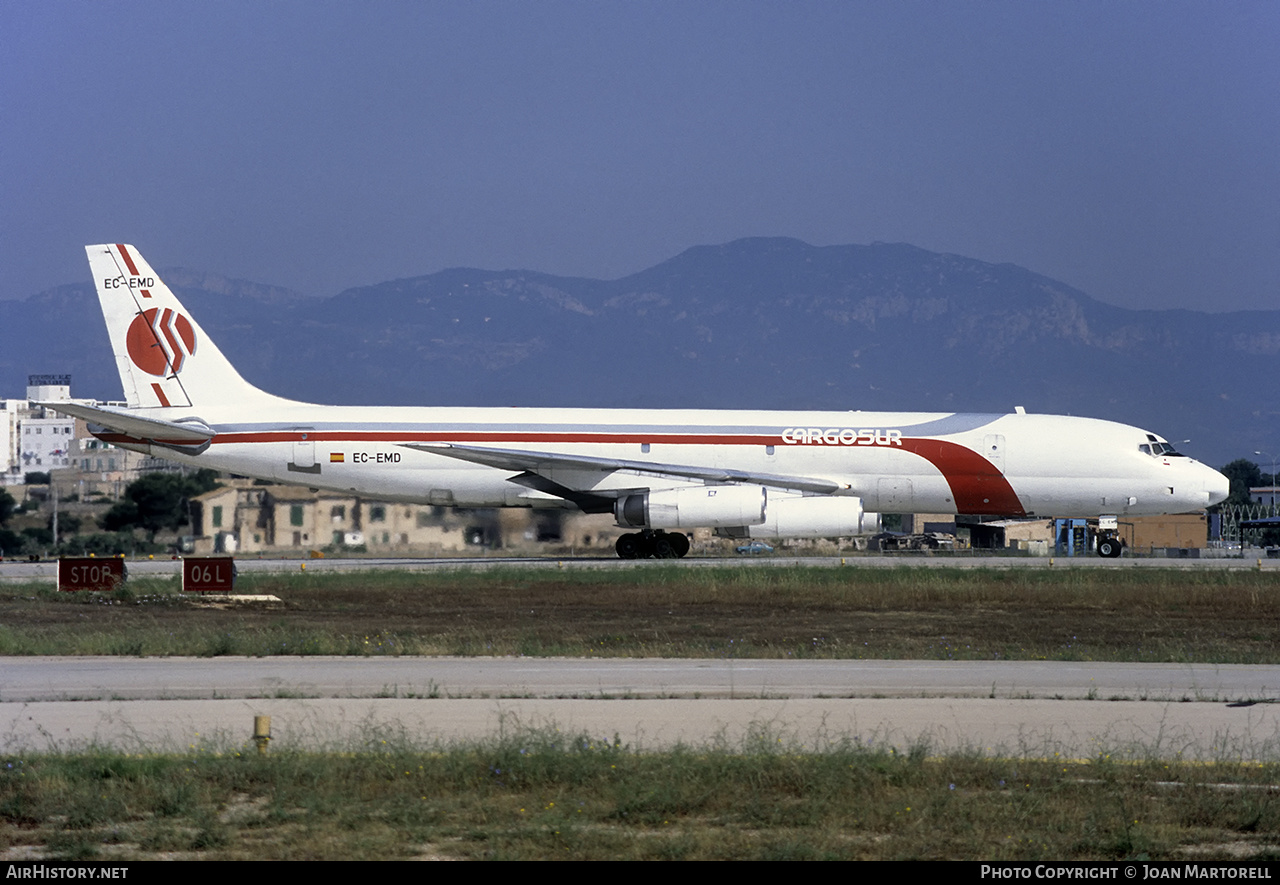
[{"x": 889, "y": 541}]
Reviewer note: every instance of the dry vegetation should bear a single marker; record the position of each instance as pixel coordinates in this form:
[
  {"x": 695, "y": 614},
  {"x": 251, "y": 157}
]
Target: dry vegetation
[{"x": 546, "y": 795}]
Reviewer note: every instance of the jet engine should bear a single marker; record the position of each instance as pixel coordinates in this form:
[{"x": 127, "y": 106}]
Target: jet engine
[
  {"x": 745, "y": 512},
  {"x": 699, "y": 507},
  {"x": 797, "y": 516}
]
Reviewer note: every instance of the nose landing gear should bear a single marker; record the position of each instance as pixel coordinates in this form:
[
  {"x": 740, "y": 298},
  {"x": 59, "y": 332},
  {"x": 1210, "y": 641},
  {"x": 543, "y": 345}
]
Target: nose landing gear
[{"x": 1109, "y": 546}]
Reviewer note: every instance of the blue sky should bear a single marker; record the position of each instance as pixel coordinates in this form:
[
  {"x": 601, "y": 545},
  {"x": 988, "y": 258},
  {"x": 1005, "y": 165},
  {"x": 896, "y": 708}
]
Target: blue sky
[{"x": 1129, "y": 149}]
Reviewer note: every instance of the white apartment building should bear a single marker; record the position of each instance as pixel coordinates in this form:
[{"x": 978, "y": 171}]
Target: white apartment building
[{"x": 35, "y": 439}]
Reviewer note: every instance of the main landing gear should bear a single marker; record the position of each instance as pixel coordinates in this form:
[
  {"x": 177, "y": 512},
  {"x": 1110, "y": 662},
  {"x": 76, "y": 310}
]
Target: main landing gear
[{"x": 652, "y": 545}]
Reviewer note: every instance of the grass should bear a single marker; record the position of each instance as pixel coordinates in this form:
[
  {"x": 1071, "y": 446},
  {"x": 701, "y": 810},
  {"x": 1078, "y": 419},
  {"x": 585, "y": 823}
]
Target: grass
[
  {"x": 890, "y": 613},
  {"x": 540, "y": 794}
]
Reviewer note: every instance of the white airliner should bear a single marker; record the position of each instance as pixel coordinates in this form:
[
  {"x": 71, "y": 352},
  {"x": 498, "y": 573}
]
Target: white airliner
[{"x": 756, "y": 474}]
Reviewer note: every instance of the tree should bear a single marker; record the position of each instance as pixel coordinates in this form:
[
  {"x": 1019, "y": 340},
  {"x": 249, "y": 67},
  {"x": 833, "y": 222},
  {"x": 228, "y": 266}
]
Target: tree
[
  {"x": 11, "y": 543},
  {"x": 1243, "y": 474},
  {"x": 7, "y": 506},
  {"x": 68, "y": 524},
  {"x": 158, "y": 501}
]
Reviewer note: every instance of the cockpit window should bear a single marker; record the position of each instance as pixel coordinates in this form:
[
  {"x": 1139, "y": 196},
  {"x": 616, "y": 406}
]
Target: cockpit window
[{"x": 1159, "y": 449}]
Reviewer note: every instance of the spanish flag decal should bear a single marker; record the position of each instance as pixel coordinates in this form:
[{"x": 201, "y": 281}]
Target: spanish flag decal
[{"x": 336, "y": 457}]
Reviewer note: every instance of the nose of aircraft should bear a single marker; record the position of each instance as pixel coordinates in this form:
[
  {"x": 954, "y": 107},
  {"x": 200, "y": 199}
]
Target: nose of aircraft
[{"x": 1217, "y": 485}]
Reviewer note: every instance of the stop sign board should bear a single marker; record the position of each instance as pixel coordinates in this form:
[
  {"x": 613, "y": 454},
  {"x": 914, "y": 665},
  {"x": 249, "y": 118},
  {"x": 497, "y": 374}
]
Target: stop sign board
[
  {"x": 86, "y": 573},
  {"x": 208, "y": 574}
]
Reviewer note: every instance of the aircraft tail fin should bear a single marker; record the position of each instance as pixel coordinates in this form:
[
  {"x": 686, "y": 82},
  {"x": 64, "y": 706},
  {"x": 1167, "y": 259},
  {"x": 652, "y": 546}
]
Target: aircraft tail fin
[{"x": 164, "y": 358}]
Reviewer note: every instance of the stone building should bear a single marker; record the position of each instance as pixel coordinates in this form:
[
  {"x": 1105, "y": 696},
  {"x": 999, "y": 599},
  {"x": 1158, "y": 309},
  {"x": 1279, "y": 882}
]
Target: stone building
[{"x": 246, "y": 517}]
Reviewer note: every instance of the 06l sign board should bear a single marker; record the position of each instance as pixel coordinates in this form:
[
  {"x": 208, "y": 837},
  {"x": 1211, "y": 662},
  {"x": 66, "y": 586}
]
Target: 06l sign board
[
  {"x": 85, "y": 573},
  {"x": 208, "y": 574}
]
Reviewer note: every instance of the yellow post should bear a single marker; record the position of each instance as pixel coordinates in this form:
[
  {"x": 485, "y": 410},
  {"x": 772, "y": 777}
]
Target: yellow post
[{"x": 262, "y": 733}]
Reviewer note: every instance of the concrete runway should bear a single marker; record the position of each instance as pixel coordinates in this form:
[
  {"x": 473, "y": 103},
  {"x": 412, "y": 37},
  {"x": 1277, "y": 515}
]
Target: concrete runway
[{"x": 1074, "y": 710}]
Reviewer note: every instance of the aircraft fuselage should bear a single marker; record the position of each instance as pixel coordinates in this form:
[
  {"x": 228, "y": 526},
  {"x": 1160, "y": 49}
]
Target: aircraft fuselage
[{"x": 896, "y": 462}]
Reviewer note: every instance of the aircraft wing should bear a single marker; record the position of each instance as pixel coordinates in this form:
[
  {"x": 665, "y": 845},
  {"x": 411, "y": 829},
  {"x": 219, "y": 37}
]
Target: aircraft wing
[
  {"x": 543, "y": 462},
  {"x": 185, "y": 433}
]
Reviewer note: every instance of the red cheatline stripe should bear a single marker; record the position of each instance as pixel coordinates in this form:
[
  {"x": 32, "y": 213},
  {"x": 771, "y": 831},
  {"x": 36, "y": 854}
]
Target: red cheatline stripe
[
  {"x": 496, "y": 436},
  {"x": 124, "y": 253},
  {"x": 164, "y": 400},
  {"x": 976, "y": 485}
]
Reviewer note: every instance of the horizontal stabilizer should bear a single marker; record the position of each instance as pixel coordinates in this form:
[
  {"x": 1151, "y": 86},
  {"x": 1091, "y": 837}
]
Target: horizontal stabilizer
[
  {"x": 190, "y": 432},
  {"x": 539, "y": 462}
]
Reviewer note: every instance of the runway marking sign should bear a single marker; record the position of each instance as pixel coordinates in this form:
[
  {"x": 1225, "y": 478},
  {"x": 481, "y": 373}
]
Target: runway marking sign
[
  {"x": 208, "y": 574},
  {"x": 76, "y": 573}
]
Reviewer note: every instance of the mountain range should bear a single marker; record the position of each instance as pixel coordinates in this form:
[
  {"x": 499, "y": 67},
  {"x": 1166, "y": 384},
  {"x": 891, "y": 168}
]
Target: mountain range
[{"x": 756, "y": 323}]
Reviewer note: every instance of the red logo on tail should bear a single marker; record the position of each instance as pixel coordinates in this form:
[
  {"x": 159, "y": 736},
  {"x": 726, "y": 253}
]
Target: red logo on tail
[{"x": 160, "y": 340}]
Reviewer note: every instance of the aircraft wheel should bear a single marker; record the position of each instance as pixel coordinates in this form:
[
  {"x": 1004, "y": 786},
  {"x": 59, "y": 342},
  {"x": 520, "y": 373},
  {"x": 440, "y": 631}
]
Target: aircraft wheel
[
  {"x": 662, "y": 548},
  {"x": 679, "y": 543},
  {"x": 1109, "y": 548},
  {"x": 628, "y": 546},
  {"x": 646, "y": 544}
]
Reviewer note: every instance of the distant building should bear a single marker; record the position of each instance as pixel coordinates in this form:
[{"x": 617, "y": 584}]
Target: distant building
[
  {"x": 10, "y": 459},
  {"x": 46, "y": 441},
  {"x": 920, "y": 523},
  {"x": 49, "y": 388},
  {"x": 1032, "y": 535},
  {"x": 36, "y": 439},
  {"x": 1186, "y": 531},
  {"x": 246, "y": 517},
  {"x": 1140, "y": 534},
  {"x": 1268, "y": 495}
]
